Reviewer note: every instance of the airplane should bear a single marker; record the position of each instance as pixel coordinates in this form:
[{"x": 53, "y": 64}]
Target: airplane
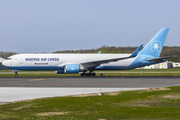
[{"x": 82, "y": 63}]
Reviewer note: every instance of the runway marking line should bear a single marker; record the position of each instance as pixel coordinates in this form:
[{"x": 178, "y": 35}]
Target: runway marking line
[{"x": 35, "y": 79}]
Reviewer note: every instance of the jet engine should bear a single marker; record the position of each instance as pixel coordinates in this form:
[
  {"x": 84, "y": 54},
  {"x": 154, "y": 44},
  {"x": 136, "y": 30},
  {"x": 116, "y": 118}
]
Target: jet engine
[{"x": 71, "y": 68}]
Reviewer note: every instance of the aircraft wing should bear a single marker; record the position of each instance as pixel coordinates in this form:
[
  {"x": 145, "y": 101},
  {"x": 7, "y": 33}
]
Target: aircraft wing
[
  {"x": 93, "y": 64},
  {"x": 160, "y": 58}
]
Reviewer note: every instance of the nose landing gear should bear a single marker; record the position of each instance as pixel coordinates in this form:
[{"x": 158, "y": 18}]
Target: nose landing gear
[{"x": 16, "y": 73}]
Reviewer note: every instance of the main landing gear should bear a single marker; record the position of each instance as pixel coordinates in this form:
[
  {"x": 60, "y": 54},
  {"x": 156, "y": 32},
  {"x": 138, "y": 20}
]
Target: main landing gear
[
  {"x": 16, "y": 73},
  {"x": 88, "y": 74}
]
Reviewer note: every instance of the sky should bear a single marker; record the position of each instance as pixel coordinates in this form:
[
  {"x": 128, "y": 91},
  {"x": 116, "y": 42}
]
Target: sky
[{"x": 35, "y": 26}]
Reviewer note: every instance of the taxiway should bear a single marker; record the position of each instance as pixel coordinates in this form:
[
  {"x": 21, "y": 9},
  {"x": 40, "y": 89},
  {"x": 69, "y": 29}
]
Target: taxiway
[
  {"x": 108, "y": 82},
  {"x": 15, "y": 89}
]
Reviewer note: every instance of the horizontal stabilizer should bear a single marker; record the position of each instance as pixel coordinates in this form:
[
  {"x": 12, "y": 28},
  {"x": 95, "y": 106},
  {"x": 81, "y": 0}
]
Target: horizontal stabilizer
[
  {"x": 161, "y": 58},
  {"x": 136, "y": 52}
]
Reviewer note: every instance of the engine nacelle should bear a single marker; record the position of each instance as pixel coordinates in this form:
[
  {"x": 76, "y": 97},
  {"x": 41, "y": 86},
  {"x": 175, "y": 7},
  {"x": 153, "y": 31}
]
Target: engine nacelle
[{"x": 71, "y": 68}]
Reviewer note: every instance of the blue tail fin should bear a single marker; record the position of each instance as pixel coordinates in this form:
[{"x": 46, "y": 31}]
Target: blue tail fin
[{"x": 154, "y": 47}]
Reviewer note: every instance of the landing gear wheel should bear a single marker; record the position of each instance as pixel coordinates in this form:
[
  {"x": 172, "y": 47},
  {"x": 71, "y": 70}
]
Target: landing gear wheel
[
  {"x": 16, "y": 75},
  {"x": 93, "y": 74},
  {"x": 88, "y": 74},
  {"x": 82, "y": 74}
]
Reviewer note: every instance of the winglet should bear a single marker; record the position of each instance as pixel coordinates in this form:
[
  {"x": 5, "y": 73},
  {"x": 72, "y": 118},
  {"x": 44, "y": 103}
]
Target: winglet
[
  {"x": 135, "y": 53},
  {"x": 99, "y": 52}
]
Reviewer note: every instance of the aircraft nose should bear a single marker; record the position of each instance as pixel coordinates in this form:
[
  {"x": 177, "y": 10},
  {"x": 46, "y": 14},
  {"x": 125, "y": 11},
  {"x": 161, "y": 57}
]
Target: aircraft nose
[{"x": 4, "y": 63}]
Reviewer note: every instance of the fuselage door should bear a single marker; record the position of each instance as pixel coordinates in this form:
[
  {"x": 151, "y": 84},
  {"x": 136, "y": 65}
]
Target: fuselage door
[{"x": 21, "y": 60}]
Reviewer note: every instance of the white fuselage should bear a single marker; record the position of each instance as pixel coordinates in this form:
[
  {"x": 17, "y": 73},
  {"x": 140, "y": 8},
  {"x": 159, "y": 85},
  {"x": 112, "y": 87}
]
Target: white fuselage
[{"x": 57, "y": 61}]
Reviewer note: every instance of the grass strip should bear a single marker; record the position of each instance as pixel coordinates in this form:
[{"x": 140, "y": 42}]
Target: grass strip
[
  {"x": 134, "y": 72},
  {"x": 39, "y": 75},
  {"x": 153, "y": 103}
]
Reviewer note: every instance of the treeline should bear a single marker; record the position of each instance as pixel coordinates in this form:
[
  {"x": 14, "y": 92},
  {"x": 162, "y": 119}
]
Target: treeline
[
  {"x": 103, "y": 49},
  {"x": 167, "y": 51},
  {"x": 5, "y": 55}
]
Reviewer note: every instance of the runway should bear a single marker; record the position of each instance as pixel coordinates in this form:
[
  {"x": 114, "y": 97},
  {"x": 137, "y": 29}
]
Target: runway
[
  {"x": 13, "y": 89},
  {"x": 106, "y": 82}
]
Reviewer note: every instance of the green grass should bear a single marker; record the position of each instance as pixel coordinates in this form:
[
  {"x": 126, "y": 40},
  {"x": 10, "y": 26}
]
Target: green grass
[
  {"x": 134, "y": 72},
  {"x": 148, "y": 104},
  {"x": 40, "y": 75},
  {"x": 139, "y": 74},
  {"x": 77, "y": 75}
]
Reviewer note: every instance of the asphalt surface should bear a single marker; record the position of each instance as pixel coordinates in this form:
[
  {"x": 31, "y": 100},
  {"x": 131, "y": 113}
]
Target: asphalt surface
[
  {"x": 15, "y": 89},
  {"x": 91, "y": 82}
]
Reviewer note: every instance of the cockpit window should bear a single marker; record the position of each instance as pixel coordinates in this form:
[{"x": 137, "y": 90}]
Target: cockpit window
[{"x": 9, "y": 58}]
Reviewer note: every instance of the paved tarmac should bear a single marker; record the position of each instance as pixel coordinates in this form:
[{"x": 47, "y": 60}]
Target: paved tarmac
[
  {"x": 10, "y": 94},
  {"x": 13, "y": 89},
  {"x": 106, "y": 82}
]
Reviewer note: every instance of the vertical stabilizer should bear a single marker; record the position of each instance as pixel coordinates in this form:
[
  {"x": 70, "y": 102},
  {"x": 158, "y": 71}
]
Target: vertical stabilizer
[{"x": 154, "y": 47}]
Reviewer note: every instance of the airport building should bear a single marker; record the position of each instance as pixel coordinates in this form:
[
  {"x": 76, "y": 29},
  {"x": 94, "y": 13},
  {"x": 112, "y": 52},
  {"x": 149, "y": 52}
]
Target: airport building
[
  {"x": 176, "y": 64},
  {"x": 164, "y": 65}
]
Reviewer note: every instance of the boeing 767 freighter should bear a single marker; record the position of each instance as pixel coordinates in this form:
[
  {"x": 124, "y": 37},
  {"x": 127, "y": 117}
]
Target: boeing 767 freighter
[{"x": 75, "y": 63}]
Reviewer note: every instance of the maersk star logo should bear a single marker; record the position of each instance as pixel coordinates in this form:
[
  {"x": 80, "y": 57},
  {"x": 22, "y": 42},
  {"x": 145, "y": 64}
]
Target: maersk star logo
[{"x": 156, "y": 46}]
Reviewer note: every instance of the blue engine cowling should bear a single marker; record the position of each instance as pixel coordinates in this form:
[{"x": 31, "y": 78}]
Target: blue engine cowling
[{"x": 71, "y": 68}]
